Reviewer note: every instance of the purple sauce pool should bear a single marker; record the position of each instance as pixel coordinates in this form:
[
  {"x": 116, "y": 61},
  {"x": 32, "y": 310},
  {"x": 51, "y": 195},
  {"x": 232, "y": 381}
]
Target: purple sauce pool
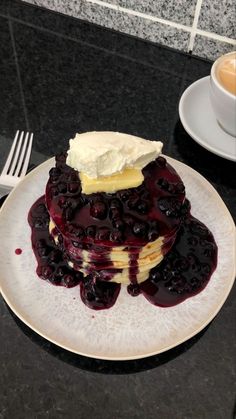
[{"x": 184, "y": 272}]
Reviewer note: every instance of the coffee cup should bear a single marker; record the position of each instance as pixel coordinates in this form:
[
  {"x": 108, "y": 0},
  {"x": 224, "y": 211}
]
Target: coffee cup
[{"x": 223, "y": 91}]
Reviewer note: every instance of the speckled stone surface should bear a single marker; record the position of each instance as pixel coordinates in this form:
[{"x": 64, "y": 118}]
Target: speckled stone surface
[
  {"x": 218, "y": 17},
  {"x": 55, "y": 86},
  {"x": 136, "y": 26},
  {"x": 169, "y": 10},
  {"x": 71, "y": 8},
  {"x": 15, "y": 115},
  {"x": 211, "y": 48}
]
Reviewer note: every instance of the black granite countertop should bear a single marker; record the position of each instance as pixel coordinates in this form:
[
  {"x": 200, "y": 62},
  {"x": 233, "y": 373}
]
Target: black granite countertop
[{"x": 59, "y": 76}]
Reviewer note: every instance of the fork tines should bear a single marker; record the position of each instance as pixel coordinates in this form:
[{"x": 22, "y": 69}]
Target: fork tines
[{"x": 19, "y": 155}]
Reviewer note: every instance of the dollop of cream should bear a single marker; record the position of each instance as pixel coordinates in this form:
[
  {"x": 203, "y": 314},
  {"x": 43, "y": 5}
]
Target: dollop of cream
[{"x": 106, "y": 153}]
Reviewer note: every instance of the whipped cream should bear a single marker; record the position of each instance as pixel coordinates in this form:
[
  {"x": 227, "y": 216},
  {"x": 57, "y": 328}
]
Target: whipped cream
[{"x": 99, "y": 154}]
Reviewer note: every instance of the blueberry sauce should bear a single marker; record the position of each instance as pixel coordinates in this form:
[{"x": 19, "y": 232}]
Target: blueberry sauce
[
  {"x": 53, "y": 263},
  {"x": 18, "y": 251},
  {"x": 130, "y": 218},
  {"x": 186, "y": 269}
]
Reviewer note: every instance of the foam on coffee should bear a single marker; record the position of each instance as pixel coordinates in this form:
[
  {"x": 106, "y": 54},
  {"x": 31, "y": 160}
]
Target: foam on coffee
[{"x": 226, "y": 72}]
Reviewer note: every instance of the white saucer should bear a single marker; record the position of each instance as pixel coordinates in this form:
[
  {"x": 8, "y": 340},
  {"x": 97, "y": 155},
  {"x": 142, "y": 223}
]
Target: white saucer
[{"x": 198, "y": 119}]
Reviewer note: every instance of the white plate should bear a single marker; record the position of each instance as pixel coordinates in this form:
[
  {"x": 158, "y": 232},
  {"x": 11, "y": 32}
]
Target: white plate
[
  {"x": 132, "y": 328},
  {"x": 198, "y": 119}
]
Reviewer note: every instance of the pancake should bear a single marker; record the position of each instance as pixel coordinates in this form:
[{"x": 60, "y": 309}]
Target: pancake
[{"x": 117, "y": 236}]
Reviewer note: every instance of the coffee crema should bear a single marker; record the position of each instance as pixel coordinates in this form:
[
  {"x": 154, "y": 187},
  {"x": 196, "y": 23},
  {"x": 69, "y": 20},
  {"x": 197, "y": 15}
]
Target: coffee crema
[{"x": 226, "y": 72}]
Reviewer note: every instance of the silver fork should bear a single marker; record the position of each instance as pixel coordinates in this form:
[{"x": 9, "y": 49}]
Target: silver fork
[{"x": 17, "y": 162}]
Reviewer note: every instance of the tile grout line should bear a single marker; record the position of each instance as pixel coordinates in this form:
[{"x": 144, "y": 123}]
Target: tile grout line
[
  {"x": 18, "y": 73},
  {"x": 206, "y": 34},
  {"x": 194, "y": 25},
  {"x": 185, "y": 28},
  {"x": 215, "y": 36},
  {"x": 140, "y": 14}
]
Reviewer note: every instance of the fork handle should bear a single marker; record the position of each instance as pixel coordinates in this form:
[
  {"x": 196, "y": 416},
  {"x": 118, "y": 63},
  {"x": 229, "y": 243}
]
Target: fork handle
[
  {"x": 4, "y": 190},
  {"x": 9, "y": 181}
]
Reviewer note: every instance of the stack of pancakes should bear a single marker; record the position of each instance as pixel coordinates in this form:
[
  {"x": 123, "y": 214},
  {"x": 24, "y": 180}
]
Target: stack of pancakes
[{"x": 116, "y": 236}]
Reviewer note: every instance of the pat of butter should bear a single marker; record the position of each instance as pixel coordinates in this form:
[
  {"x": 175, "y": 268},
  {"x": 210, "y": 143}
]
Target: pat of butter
[{"x": 129, "y": 178}]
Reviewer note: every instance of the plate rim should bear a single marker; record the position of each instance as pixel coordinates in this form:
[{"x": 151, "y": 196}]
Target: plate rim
[
  {"x": 146, "y": 354},
  {"x": 188, "y": 129}
]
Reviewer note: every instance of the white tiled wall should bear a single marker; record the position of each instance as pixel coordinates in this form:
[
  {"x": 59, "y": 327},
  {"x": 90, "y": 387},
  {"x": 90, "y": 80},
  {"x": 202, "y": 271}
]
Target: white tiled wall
[{"x": 205, "y": 27}]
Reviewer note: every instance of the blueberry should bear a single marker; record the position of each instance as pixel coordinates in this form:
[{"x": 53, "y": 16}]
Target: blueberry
[
  {"x": 54, "y": 191},
  {"x": 179, "y": 285},
  {"x": 116, "y": 236},
  {"x": 103, "y": 233},
  {"x": 129, "y": 220},
  {"x": 54, "y": 174},
  {"x": 192, "y": 241},
  {"x": 185, "y": 209},
  {"x": 133, "y": 202},
  {"x": 55, "y": 256},
  {"x": 40, "y": 243},
  {"x": 73, "y": 187},
  {"x": 61, "y": 158},
  {"x": 90, "y": 296},
  {"x": 153, "y": 234},
  {"x": 91, "y": 231},
  {"x": 69, "y": 281},
  {"x": 98, "y": 210},
  {"x": 119, "y": 224},
  {"x": 62, "y": 202},
  {"x": 115, "y": 203},
  {"x": 41, "y": 209},
  {"x": 60, "y": 272},
  {"x": 79, "y": 232},
  {"x": 194, "y": 282},
  {"x": 208, "y": 252},
  {"x": 43, "y": 251},
  {"x": 142, "y": 207},
  {"x": 169, "y": 206},
  {"x": 154, "y": 224},
  {"x": 181, "y": 263},
  {"x": 54, "y": 171},
  {"x": 133, "y": 290},
  {"x": 199, "y": 229},
  {"x": 38, "y": 223},
  {"x": 155, "y": 276},
  {"x": 69, "y": 213},
  {"x": 62, "y": 187},
  {"x": 180, "y": 188},
  {"x": 73, "y": 176},
  {"x": 194, "y": 262},
  {"x": 161, "y": 161},
  {"x": 164, "y": 184},
  {"x": 205, "y": 268},
  {"x": 114, "y": 213},
  {"x": 76, "y": 230},
  {"x": 163, "y": 204},
  {"x": 75, "y": 244},
  {"x": 124, "y": 195},
  {"x": 46, "y": 272},
  {"x": 171, "y": 188},
  {"x": 140, "y": 229}
]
